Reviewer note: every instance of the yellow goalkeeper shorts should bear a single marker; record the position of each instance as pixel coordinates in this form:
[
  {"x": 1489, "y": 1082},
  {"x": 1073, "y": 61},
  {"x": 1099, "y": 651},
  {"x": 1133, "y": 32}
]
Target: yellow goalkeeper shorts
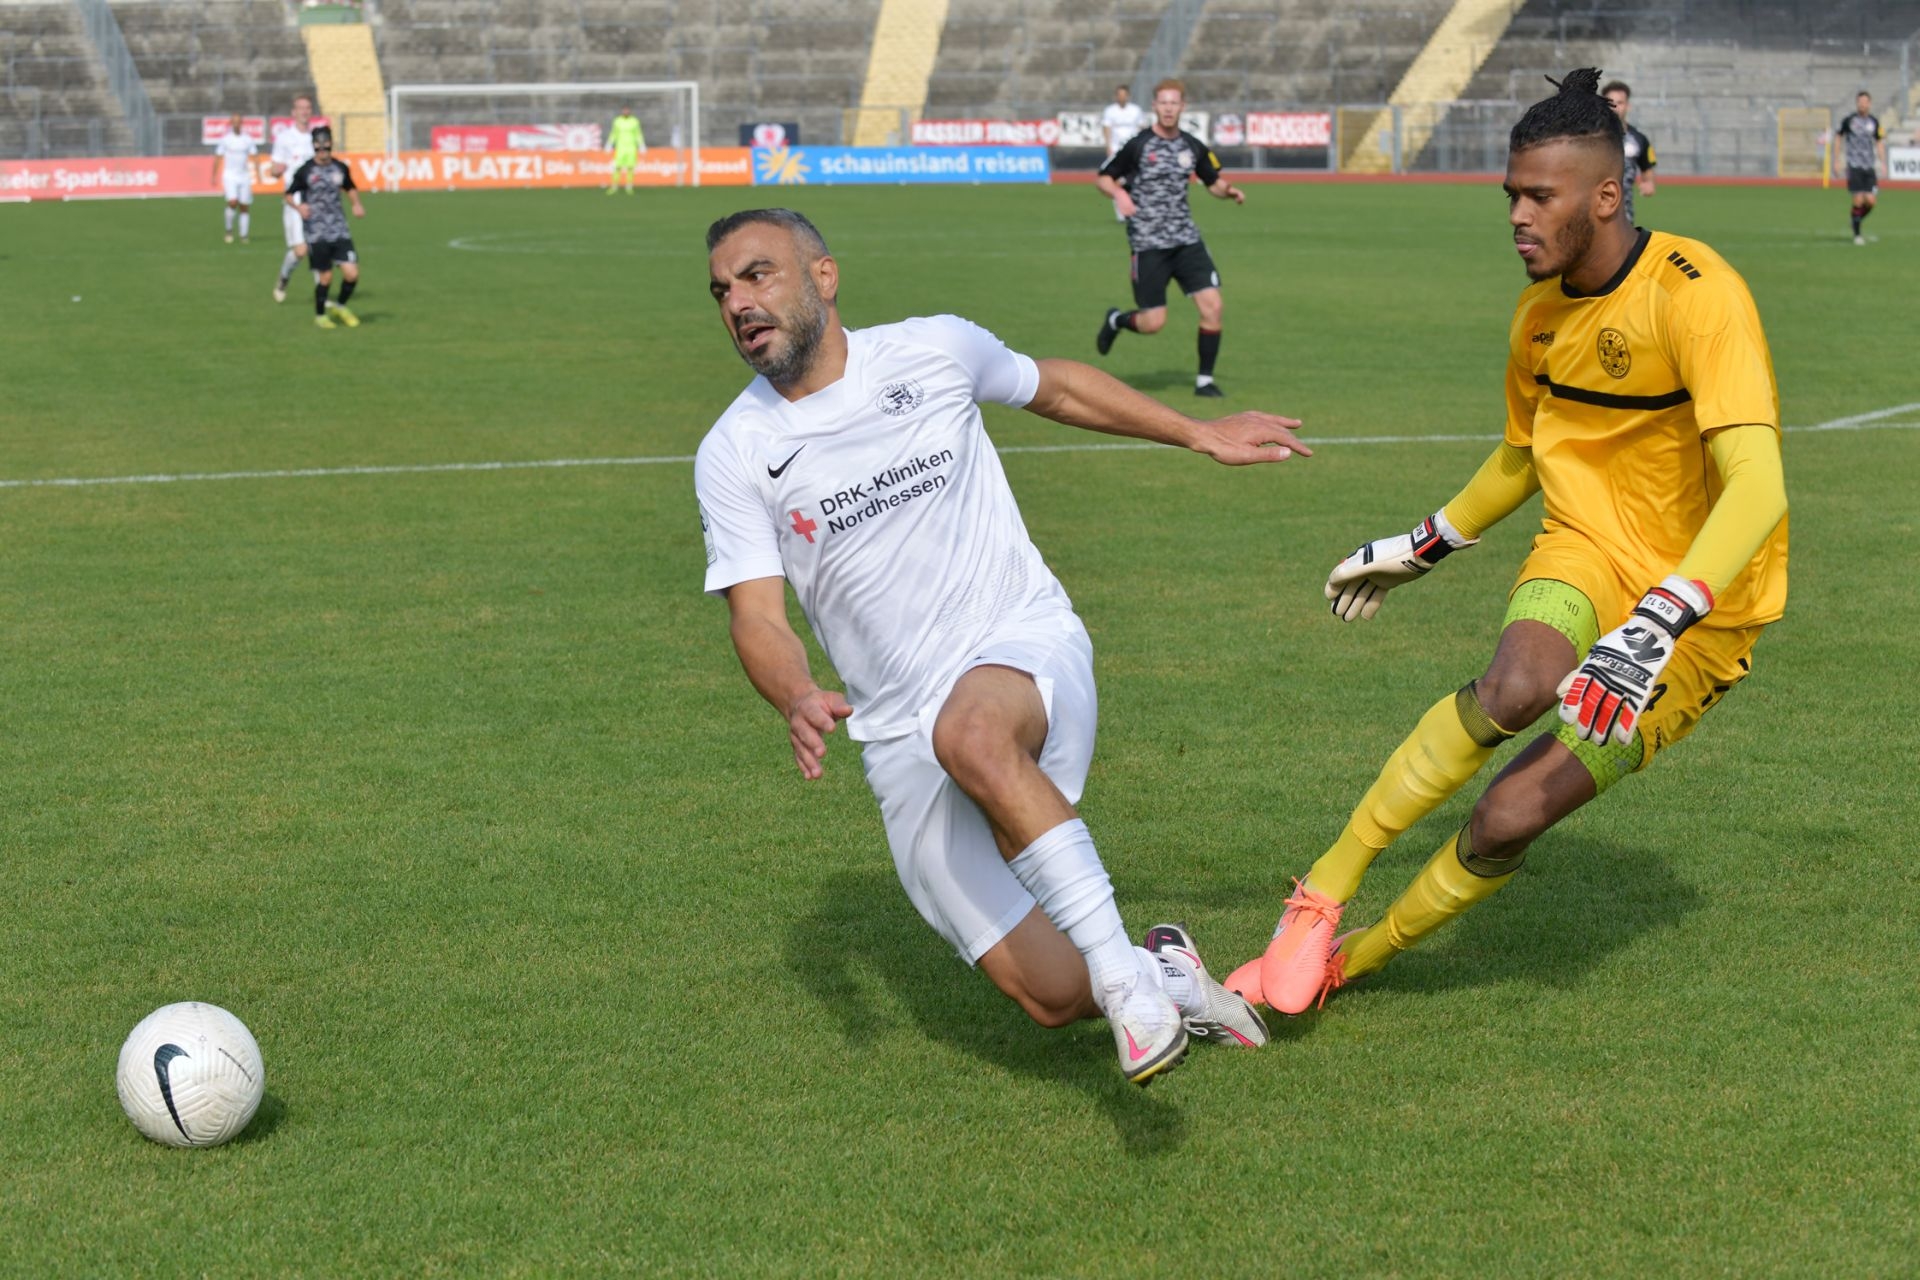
[{"x": 1569, "y": 584}]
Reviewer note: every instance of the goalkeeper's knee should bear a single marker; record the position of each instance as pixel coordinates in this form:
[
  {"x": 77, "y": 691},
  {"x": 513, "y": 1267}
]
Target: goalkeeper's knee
[{"x": 1494, "y": 841}]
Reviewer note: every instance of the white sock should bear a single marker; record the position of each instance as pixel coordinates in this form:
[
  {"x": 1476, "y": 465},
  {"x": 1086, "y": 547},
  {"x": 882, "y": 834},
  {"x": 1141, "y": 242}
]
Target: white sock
[
  {"x": 229, "y": 213},
  {"x": 1175, "y": 979},
  {"x": 1063, "y": 873},
  {"x": 1202, "y": 380},
  {"x": 287, "y": 265},
  {"x": 245, "y": 217}
]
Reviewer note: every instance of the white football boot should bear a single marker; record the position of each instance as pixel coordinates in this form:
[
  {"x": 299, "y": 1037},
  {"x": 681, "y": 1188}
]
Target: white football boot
[
  {"x": 1147, "y": 1030},
  {"x": 1212, "y": 1012}
]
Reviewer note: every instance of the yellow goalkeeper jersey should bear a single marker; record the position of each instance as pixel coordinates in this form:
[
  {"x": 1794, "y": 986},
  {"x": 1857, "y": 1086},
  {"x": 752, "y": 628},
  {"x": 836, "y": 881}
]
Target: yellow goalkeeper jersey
[{"x": 1613, "y": 393}]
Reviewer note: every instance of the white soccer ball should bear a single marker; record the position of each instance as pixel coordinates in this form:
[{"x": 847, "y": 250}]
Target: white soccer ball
[{"x": 191, "y": 1075}]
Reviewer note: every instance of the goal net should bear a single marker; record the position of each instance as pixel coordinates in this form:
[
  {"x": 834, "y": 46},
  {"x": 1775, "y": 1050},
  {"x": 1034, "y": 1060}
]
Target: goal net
[{"x": 546, "y": 117}]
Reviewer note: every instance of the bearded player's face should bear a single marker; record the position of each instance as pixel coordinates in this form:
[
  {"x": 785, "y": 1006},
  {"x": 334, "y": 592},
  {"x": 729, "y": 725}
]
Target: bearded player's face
[
  {"x": 1553, "y": 193},
  {"x": 769, "y": 300}
]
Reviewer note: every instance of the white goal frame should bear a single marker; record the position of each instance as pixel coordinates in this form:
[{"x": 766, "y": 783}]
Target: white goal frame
[{"x": 399, "y": 93}]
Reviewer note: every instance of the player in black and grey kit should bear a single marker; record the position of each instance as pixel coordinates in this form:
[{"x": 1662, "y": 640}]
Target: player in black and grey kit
[
  {"x": 1147, "y": 182},
  {"x": 316, "y": 193},
  {"x": 1638, "y": 173},
  {"x": 1858, "y": 143}
]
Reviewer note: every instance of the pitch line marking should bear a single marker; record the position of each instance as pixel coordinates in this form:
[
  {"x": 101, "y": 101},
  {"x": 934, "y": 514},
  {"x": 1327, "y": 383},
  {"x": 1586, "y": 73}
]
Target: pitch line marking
[{"x": 1874, "y": 421}]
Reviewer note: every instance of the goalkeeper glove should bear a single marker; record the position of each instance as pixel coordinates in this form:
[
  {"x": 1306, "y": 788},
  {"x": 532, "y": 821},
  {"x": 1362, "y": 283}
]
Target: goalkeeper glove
[
  {"x": 1358, "y": 583},
  {"x": 1607, "y": 693}
]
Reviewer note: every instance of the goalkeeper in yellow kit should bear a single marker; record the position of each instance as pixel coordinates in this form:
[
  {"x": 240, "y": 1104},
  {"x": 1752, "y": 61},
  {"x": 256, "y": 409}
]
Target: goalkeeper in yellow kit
[
  {"x": 626, "y": 141},
  {"x": 1641, "y": 406}
]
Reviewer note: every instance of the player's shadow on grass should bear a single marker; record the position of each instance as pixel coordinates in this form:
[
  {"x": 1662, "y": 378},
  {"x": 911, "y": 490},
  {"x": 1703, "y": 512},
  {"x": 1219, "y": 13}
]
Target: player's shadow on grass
[
  {"x": 861, "y": 931},
  {"x": 1576, "y": 903}
]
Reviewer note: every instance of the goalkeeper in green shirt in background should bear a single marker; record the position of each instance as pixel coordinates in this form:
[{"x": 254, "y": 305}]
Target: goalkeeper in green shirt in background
[{"x": 627, "y": 142}]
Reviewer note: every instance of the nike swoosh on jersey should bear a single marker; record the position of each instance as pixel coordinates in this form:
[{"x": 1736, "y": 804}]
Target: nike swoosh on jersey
[{"x": 774, "y": 472}]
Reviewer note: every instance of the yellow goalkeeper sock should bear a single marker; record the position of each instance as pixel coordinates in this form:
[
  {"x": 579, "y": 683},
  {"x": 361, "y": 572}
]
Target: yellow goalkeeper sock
[
  {"x": 1447, "y": 747},
  {"x": 1454, "y": 879}
]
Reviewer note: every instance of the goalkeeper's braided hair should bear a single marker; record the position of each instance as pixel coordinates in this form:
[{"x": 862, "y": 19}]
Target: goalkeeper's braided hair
[{"x": 1576, "y": 111}]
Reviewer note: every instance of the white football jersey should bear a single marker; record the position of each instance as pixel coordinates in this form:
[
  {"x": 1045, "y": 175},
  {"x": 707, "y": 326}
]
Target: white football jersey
[
  {"x": 233, "y": 150},
  {"x": 882, "y": 501},
  {"x": 292, "y": 147},
  {"x": 1124, "y": 121}
]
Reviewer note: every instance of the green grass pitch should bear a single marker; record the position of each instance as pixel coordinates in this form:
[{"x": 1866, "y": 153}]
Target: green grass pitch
[{"x": 448, "y": 783}]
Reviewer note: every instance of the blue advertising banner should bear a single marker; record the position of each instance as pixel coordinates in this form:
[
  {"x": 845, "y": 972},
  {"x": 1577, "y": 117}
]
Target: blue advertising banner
[{"x": 831, "y": 166}]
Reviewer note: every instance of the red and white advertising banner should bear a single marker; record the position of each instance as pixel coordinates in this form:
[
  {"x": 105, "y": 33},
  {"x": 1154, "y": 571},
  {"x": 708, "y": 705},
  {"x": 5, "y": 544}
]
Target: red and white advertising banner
[
  {"x": 986, "y": 133},
  {"x": 214, "y": 128},
  {"x": 135, "y": 177},
  {"x": 1289, "y": 129},
  {"x": 516, "y": 137},
  {"x": 480, "y": 171},
  {"x": 116, "y": 176}
]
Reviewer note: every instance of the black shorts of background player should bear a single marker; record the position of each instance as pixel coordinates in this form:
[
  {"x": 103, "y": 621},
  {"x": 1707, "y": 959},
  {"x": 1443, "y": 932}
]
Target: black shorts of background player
[
  {"x": 316, "y": 192},
  {"x": 1147, "y": 181},
  {"x": 1859, "y": 145}
]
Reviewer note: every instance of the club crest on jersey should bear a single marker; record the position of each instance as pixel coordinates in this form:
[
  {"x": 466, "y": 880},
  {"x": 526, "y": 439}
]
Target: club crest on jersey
[
  {"x": 1614, "y": 356},
  {"x": 900, "y": 397}
]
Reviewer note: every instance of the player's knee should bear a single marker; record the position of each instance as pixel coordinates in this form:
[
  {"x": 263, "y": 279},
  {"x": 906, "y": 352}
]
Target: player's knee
[
  {"x": 1151, "y": 320},
  {"x": 1502, "y": 828},
  {"x": 1514, "y": 698},
  {"x": 973, "y": 747}
]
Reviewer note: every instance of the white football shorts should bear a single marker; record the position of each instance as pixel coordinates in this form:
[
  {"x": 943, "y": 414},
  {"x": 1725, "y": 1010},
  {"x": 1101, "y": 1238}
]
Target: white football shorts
[
  {"x": 238, "y": 188},
  {"x": 290, "y": 223},
  {"x": 943, "y": 847}
]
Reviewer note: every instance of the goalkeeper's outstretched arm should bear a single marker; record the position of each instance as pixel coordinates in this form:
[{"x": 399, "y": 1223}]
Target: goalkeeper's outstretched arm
[
  {"x": 1359, "y": 584},
  {"x": 1503, "y": 482}
]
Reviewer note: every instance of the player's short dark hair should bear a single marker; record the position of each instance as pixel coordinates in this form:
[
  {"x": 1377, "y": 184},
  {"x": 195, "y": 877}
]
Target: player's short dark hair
[
  {"x": 796, "y": 224},
  {"x": 1576, "y": 111},
  {"x": 322, "y": 136},
  {"x": 1612, "y": 85}
]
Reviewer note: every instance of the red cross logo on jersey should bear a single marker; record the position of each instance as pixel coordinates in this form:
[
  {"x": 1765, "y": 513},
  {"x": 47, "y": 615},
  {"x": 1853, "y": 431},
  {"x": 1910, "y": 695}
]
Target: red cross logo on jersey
[{"x": 803, "y": 526}]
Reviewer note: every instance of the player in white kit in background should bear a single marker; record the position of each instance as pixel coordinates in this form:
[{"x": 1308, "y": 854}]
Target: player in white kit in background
[
  {"x": 857, "y": 469},
  {"x": 292, "y": 147},
  {"x": 234, "y": 172},
  {"x": 1120, "y": 121}
]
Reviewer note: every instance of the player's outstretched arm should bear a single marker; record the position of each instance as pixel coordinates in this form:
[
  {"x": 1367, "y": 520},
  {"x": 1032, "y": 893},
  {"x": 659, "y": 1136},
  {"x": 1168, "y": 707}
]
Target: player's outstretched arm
[
  {"x": 1080, "y": 395},
  {"x": 776, "y": 662},
  {"x": 1359, "y": 584}
]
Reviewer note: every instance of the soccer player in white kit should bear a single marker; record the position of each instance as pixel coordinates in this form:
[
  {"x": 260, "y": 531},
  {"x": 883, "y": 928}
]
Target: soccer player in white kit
[
  {"x": 856, "y": 468},
  {"x": 1120, "y": 121},
  {"x": 232, "y": 171},
  {"x": 292, "y": 147}
]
